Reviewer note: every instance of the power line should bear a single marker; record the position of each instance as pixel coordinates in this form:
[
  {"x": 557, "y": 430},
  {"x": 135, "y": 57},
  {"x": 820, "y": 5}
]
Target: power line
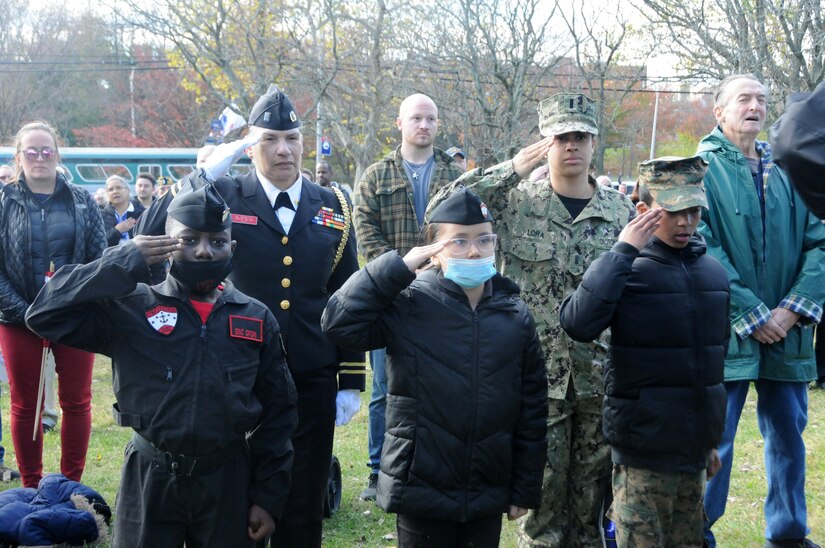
[
  {"x": 105, "y": 70},
  {"x": 28, "y": 67}
]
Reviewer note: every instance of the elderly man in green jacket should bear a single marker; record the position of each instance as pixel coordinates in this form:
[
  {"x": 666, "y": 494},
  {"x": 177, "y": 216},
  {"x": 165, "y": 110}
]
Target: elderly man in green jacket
[{"x": 774, "y": 252}]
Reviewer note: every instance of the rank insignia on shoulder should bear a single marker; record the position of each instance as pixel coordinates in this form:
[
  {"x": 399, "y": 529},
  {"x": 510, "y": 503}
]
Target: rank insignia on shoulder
[
  {"x": 163, "y": 318},
  {"x": 326, "y": 216},
  {"x": 251, "y": 329}
]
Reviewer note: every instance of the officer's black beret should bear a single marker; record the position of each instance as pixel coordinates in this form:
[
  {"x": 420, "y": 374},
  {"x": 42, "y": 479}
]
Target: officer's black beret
[
  {"x": 203, "y": 209},
  {"x": 274, "y": 111},
  {"x": 461, "y": 208}
]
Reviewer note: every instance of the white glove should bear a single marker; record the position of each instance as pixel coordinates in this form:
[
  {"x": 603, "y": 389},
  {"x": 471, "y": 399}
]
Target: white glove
[
  {"x": 226, "y": 154},
  {"x": 347, "y": 404}
]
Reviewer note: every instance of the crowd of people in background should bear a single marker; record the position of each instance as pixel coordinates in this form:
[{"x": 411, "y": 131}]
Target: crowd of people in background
[{"x": 566, "y": 351}]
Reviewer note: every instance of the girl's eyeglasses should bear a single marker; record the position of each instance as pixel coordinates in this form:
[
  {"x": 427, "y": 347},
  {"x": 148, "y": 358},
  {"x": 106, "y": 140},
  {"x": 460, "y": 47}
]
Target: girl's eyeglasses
[
  {"x": 33, "y": 153},
  {"x": 461, "y": 246}
]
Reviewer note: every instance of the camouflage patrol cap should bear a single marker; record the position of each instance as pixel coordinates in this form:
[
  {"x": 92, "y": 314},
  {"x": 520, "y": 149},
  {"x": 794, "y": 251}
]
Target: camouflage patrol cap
[
  {"x": 274, "y": 110},
  {"x": 566, "y": 112},
  {"x": 675, "y": 183}
]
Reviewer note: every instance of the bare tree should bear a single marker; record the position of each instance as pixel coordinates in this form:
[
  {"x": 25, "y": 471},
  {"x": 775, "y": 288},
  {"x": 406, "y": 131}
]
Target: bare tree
[
  {"x": 782, "y": 42},
  {"x": 486, "y": 62},
  {"x": 324, "y": 52},
  {"x": 53, "y": 66},
  {"x": 236, "y": 48},
  {"x": 358, "y": 101},
  {"x": 603, "y": 61}
]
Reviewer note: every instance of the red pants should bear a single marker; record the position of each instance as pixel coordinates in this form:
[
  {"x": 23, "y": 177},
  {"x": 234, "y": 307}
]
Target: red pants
[{"x": 22, "y": 351}]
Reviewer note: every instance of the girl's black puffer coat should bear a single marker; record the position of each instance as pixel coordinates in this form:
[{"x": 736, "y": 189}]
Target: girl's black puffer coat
[{"x": 467, "y": 393}]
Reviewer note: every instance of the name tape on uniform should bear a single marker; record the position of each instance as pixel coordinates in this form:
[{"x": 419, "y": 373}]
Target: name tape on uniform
[
  {"x": 251, "y": 329},
  {"x": 244, "y": 219}
]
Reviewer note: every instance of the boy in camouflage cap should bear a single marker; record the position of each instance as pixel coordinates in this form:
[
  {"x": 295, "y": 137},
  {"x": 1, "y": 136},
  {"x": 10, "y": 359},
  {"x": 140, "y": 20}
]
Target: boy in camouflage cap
[
  {"x": 550, "y": 230},
  {"x": 674, "y": 183},
  {"x": 664, "y": 404}
]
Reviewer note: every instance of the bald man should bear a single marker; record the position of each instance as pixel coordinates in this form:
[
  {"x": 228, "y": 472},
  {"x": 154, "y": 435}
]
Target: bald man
[{"x": 386, "y": 218}]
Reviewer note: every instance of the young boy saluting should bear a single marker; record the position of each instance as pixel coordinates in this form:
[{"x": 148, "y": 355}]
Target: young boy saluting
[
  {"x": 666, "y": 302},
  {"x": 199, "y": 374}
]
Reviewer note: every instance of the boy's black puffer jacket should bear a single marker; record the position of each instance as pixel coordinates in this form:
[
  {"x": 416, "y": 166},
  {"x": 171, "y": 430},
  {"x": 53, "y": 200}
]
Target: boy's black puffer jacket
[{"x": 664, "y": 404}]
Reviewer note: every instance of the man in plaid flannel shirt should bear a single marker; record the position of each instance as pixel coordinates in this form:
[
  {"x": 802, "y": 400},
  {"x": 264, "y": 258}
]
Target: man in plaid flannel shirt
[
  {"x": 774, "y": 252},
  {"x": 389, "y": 205}
]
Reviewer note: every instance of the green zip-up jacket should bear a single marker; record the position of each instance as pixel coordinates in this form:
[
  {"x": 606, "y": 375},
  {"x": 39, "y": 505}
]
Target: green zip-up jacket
[{"x": 780, "y": 265}]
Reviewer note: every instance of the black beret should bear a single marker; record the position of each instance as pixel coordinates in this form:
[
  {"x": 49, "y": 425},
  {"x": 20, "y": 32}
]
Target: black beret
[
  {"x": 274, "y": 110},
  {"x": 203, "y": 209},
  {"x": 461, "y": 208}
]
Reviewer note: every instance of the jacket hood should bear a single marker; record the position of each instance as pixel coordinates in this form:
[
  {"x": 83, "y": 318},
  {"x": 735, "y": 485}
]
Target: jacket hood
[
  {"x": 657, "y": 248},
  {"x": 21, "y": 187},
  {"x": 502, "y": 288},
  {"x": 716, "y": 143}
]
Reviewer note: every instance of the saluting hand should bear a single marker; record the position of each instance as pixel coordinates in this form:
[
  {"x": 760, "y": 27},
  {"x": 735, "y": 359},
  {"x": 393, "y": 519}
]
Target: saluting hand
[
  {"x": 418, "y": 255},
  {"x": 528, "y": 157},
  {"x": 640, "y": 229},
  {"x": 226, "y": 154},
  {"x": 156, "y": 249}
]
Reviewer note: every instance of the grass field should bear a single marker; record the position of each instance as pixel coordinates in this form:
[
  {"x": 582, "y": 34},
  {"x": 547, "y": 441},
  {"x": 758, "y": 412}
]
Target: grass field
[{"x": 360, "y": 523}]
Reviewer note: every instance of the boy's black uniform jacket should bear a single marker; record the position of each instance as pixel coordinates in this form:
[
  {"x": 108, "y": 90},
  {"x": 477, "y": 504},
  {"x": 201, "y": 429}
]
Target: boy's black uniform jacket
[
  {"x": 664, "y": 404},
  {"x": 291, "y": 273},
  {"x": 197, "y": 389}
]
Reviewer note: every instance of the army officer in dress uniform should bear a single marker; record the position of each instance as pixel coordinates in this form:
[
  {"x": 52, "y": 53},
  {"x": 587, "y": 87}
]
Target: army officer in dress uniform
[{"x": 296, "y": 247}]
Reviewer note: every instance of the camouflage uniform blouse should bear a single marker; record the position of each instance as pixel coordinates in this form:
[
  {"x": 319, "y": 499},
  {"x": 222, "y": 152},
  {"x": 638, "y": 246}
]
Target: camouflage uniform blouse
[{"x": 546, "y": 252}]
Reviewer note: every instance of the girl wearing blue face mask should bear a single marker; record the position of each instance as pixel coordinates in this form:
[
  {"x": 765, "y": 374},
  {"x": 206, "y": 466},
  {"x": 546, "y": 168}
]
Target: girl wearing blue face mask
[{"x": 465, "y": 437}]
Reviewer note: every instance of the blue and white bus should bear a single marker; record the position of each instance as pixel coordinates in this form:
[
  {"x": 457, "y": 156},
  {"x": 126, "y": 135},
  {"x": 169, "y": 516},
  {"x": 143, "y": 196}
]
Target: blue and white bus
[{"x": 90, "y": 167}]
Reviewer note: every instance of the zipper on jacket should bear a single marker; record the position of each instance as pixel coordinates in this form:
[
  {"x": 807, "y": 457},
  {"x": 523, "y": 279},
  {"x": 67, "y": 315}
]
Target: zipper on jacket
[
  {"x": 198, "y": 365},
  {"x": 698, "y": 386},
  {"x": 201, "y": 353},
  {"x": 45, "y": 227},
  {"x": 474, "y": 415}
]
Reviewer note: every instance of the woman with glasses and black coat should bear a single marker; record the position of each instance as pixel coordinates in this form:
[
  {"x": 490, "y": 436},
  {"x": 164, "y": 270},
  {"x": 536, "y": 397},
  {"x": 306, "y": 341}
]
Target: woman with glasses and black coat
[
  {"x": 465, "y": 439},
  {"x": 45, "y": 223}
]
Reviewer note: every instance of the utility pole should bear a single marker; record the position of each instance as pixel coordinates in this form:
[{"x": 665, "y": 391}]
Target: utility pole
[
  {"x": 132, "y": 97},
  {"x": 653, "y": 133}
]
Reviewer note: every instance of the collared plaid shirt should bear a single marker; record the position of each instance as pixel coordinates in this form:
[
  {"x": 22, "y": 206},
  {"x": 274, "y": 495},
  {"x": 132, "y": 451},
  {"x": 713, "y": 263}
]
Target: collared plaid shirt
[
  {"x": 383, "y": 210},
  {"x": 810, "y": 311}
]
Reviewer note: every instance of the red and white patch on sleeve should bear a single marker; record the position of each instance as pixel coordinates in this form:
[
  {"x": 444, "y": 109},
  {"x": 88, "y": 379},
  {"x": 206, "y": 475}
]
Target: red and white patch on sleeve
[{"x": 163, "y": 318}]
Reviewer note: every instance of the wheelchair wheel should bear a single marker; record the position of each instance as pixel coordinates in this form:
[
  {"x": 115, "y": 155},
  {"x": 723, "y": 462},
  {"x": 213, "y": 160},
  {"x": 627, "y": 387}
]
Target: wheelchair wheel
[{"x": 332, "y": 502}]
